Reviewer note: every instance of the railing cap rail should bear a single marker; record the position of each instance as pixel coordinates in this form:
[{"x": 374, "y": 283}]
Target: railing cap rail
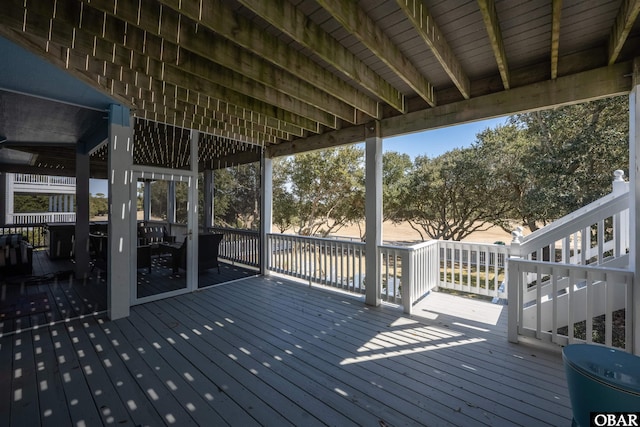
[
  {"x": 586, "y": 268},
  {"x": 410, "y": 248},
  {"x": 321, "y": 239},
  {"x": 573, "y": 222}
]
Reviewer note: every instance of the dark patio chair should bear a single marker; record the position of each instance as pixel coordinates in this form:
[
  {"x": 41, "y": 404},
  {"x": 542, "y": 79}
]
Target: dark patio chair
[{"x": 208, "y": 250}]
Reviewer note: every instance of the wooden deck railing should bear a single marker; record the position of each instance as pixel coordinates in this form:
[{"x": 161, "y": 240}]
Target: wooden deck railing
[
  {"x": 42, "y": 217},
  {"x": 571, "y": 303},
  {"x": 239, "y": 246},
  {"x": 407, "y": 273},
  {"x": 569, "y": 282},
  {"x": 329, "y": 262},
  {"x": 34, "y": 233},
  {"x": 47, "y": 180}
]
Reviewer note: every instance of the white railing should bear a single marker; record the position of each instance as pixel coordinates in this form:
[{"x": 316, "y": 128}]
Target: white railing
[
  {"x": 329, "y": 262},
  {"x": 407, "y": 273},
  {"x": 239, "y": 246},
  {"x": 414, "y": 269},
  {"x": 570, "y": 303},
  {"x": 574, "y": 271},
  {"x": 44, "y": 217},
  {"x": 592, "y": 235},
  {"x": 26, "y": 178},
  {"x": 474, "y": 268}
]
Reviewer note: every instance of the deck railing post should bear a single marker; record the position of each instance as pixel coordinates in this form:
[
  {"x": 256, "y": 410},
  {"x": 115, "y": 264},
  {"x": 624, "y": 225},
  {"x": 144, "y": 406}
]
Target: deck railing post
[
  {"x": 373, "y": 212},
  {"x": 408, "y": 273},
  {"x": 513, "y": 290}
]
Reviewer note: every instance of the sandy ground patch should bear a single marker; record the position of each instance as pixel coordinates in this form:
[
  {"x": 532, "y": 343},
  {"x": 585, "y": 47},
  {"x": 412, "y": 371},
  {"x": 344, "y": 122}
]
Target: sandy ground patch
[{"x": 404, "y": 233}]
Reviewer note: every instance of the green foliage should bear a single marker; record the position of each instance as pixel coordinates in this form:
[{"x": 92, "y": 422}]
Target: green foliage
[
  {"x": 395, "y": 180},
  {"x": 237, "y": 196},
  {"x": 320, "y": 191},
  {"x": 284, "y": 213},
  {"x": 446, "y": 197},
  {"x": 553, "y": 162},
  {"x": 98, "y": 205},
  {"x": 30, "y": 203}
]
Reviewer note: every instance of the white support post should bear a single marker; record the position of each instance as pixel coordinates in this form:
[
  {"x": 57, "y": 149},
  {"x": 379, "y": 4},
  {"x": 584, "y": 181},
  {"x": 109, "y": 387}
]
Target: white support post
[
  {"x": 266, "y": 211},
  {"x": 192, "y": 233},
  {"x": 208, "y": 199},
  {"x": 4, "y": 195},
  {"x": 81, "y": 242},
  {"x": 146, "y": 200},
  {"x": 634, "y": 205},
  {"x": 373, "y": 212},
  {"x": 171, "y": 202},
  {"x": 121, "y": 208}
]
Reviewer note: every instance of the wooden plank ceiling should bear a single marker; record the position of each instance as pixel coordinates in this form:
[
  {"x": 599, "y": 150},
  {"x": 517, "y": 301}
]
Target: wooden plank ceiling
[{"x": 294, "y": 75}]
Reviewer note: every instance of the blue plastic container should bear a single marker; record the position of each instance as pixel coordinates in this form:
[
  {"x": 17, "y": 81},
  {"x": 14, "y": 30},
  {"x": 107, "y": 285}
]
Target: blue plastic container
[{"x": 601, "y": 379}]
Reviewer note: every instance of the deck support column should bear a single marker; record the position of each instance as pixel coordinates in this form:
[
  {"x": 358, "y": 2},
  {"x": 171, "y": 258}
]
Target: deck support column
[
  {"x": 634, "y": 205},
  {"x": 121, "y": 208},
  {"x": 373, "y": 212},
  {"x": 4, "y": 196},
  {"x": 146, "y": 199},
  {"x": 208, "y": 199},
  {"x": 81, "y": 242},
  {"x": 192, "y": 220},
  {"x": 266, "y": 211},
  {"x": 171, "y": 202}
]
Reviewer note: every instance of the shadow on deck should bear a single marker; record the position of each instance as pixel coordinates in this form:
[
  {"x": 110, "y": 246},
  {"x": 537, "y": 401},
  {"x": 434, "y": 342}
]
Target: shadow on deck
[
  {"x": 267, "y": 351},
  {"x": 52, "y": 294}
]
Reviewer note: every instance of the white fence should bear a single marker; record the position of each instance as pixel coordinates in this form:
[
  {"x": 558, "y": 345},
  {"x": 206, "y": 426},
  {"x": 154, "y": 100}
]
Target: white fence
[
  {"x": 239, "y": 246},
  {"x": 329, "y": 262},
  {"x": 475, "y": 268},
  {"x": 570, "y": 303},
  {"x": 44, "y": 217},
  {"x": 570, "y": 281},
  {"x": 407, "y": 273},
  {"x": 25, "y": 178}
]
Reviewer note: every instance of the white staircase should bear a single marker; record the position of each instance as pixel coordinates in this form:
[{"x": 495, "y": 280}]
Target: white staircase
[{"x": 574, "y": 271}]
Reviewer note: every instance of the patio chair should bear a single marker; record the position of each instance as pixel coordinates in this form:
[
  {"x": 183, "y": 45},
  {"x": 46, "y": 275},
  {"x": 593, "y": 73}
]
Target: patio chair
[{"x": 208, "y": 249}]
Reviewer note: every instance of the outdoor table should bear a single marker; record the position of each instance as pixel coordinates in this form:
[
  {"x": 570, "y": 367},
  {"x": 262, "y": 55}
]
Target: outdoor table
[{"x": 601, "y": 379}]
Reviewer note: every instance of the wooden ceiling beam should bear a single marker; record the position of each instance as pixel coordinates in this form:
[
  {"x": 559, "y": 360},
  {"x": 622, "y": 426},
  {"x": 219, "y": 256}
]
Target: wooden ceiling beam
[
  {"x": 286, "y": 17},
  {"x": 627, "y": 16},
  {"x": 155, "y": 95},
  {"x": 556, "y": 10},
  {"x": 572, "y": 89},
  {"x": 492, "y": 24},
  {"x": 91, "y": 46},
  {"x": 176, "y": 120},
  {"x": 425, "y": 25},
  {"x": 358, "y": 23},
  {"x": 171, "y": 60},
  {"x": 187, "y": 119},
  {"x": 217, "y": 17}
]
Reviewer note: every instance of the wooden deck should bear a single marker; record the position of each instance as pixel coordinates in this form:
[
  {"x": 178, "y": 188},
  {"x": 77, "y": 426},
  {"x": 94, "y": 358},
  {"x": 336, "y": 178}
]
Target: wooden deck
[
  {"x": 52, "y": 294},
  {"x": 265, "y": 351}
]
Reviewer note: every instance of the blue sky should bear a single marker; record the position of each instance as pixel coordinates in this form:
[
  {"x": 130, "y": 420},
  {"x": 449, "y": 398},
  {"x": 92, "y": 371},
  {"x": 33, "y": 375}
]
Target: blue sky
[
  {"x": 436, "y": 142},
  {"x": 432, "y": 143}
]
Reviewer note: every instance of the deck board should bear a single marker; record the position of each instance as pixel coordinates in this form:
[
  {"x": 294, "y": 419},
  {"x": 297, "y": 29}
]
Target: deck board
[
  {"x": 53, "y": 406},
  {"x": 69, "y": 297},
  {"x": 266, "y": 351},
  {"x": 293, "y": 386}
]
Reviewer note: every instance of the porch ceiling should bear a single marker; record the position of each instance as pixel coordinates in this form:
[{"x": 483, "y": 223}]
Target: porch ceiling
[{"x": 296, "y": 75}]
